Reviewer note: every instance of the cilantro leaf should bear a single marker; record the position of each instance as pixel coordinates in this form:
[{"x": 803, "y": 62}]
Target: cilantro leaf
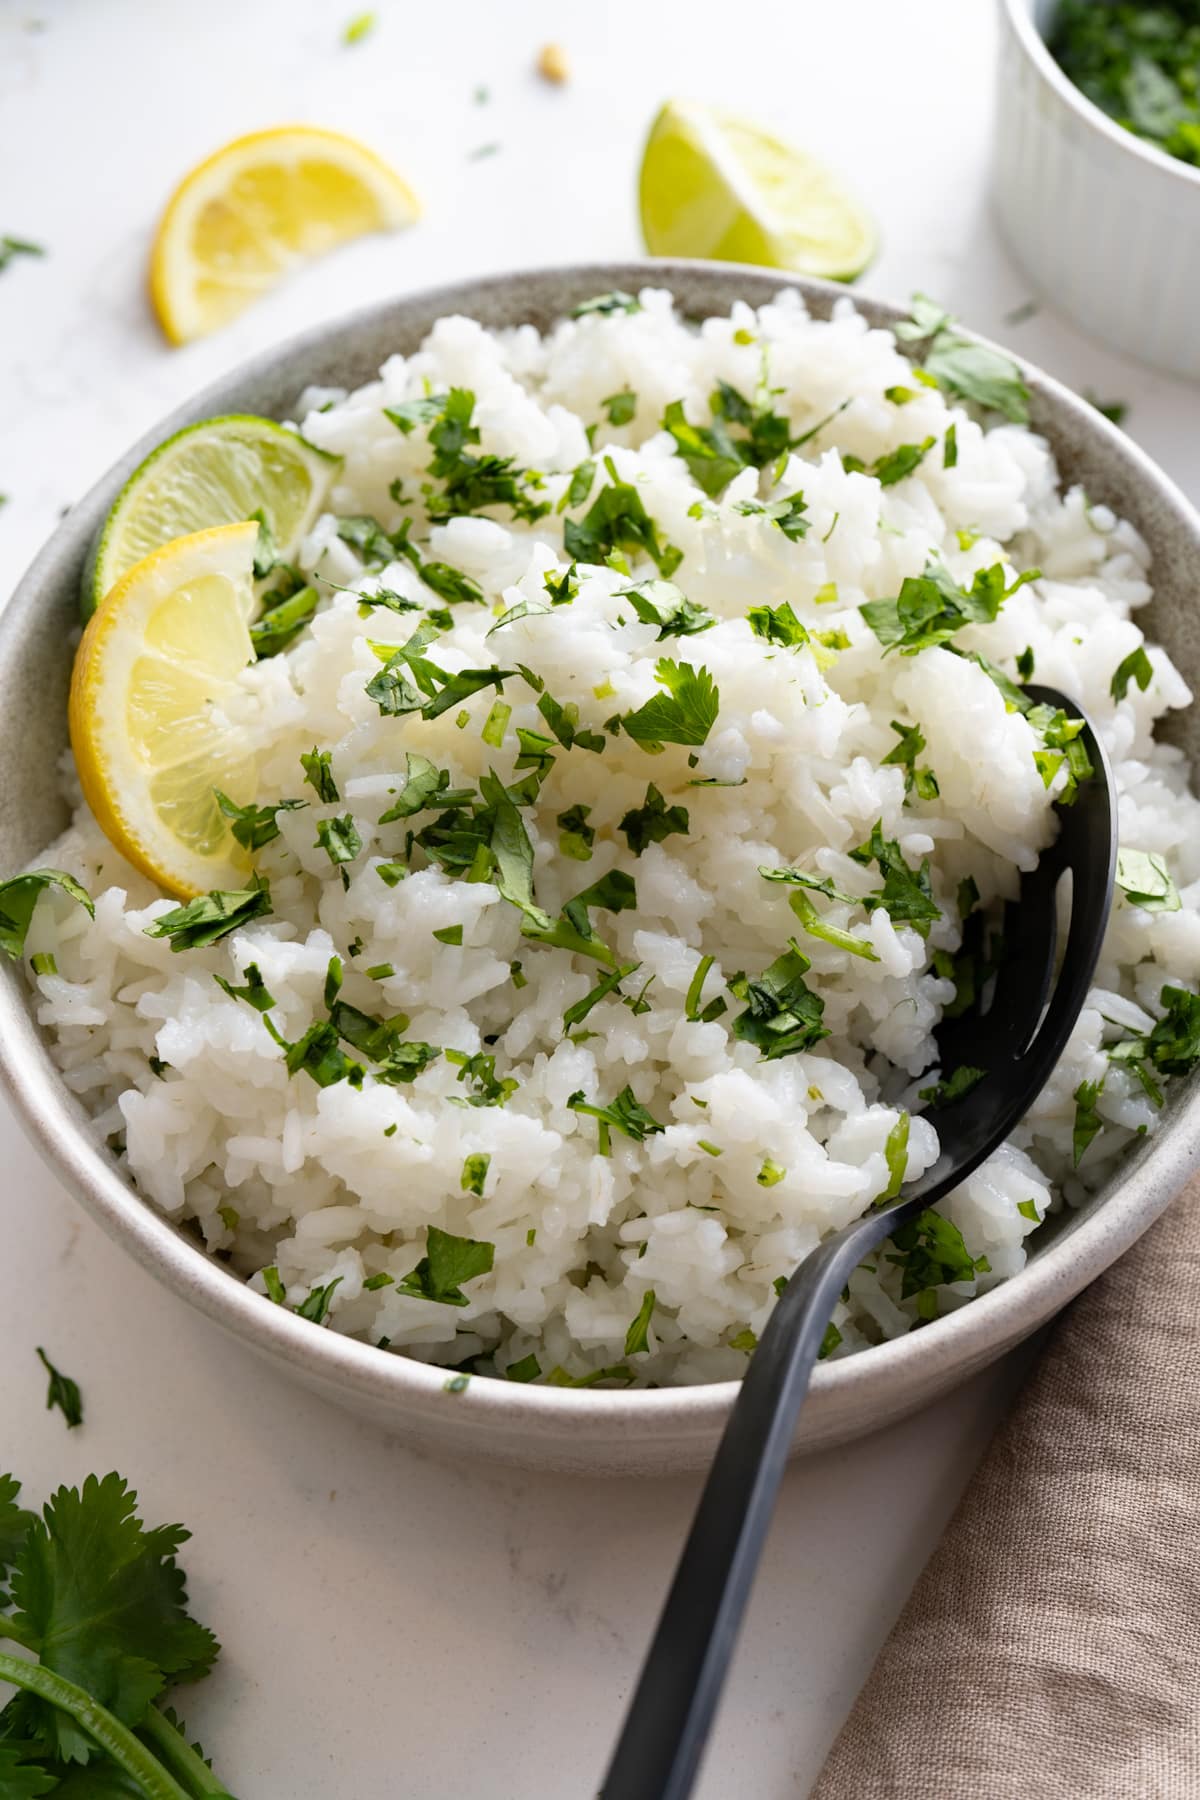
[
  {"x": 944, "y": 1093},
  {"x": 253, "y": 826},
  {"x": 319, "y": 1054},
  {"x": 576, "y": 836},
  {"x": 281, "y": 623},
  {"x": 617, "y": 520},
  {"x": 818, "y": 927},
  {"x": 478, "y": 1072},
  {"x": 21, "y": 1778},
  {"x": 315, "y": 1305},
  {"x": 637, "y": 1339},
  {"x": 789, "y": 513},
  {"x": 620, "y": 407},
  {"x": 685, "y": 714},
  {"x": 425, "y": 785},
  {"x": 1134, "y": 667},
  {"x": 1088, "y": 1123},
  {"x": 931, "y": 1252},
  {"x": 20, "y": 896},
  {"x": 255, "y": 991},
  {"x": 339, "y": 838},
  {"x": 1146, "y": 881},
  {"x": 511, "y": 850},
  {"x": 563, "y": 720},
  {"x": 62, "y": 1392},
  {"x": 1174, "y": 1043},
  {"x": 14, "y": 1522},
  {"x": 474, "y": 1173},
  {"x": 104, "y": 1603},
  {"x": 778, "y": 625},
  {"x": 653, "y": 821},
  {"x": 896, "y": 464},
  {"x": 448, "y": 1262},
  {"x": 209, "y": 917},
  {"x": 318, "y": 773},
  {"x": 712, "y": 457},
  {"x": 906, "y": 894},
  {"x": 661, "y": 603},
  {"x": 895, "y": 1154},
  {"x": 922, "y": 782},
  {"x": 972, "y": 370},
  {"x": 625, "y": 1114},
  {"x": 931, "y": 607},
  {"x": 578, "y": 1012},
  {"x": 782, "y": 1015}
]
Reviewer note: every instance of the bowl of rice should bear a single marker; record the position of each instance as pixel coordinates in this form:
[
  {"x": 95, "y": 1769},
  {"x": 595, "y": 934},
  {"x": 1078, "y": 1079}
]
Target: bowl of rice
[{"x": 645, "y": 786}]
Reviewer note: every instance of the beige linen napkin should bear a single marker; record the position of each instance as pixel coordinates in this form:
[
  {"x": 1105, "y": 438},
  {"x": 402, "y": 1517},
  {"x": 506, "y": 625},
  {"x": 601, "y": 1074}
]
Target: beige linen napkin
[{"x": 1052, "y": 1646}]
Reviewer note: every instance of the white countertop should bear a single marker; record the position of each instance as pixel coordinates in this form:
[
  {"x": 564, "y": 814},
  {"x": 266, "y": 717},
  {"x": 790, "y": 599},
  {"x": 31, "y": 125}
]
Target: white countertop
[{"x": 395, "y": 1626}]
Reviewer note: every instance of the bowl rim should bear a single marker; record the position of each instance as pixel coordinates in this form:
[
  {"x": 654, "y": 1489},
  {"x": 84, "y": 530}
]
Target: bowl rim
[
  {"x": 1019, "y": 14},
  {"x": 413, "y": 1391}
]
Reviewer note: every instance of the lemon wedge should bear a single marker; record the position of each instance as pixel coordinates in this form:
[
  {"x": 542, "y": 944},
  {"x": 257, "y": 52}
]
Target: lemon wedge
[
  {"x": 215, "y": 473},
  {"x": 157, "y": 665},
  {"x": 714, "y": 185},
  {"x": 239, "y": 221}
]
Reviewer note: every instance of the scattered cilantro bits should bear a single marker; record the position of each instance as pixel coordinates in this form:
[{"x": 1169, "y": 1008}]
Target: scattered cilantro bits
[{"x": 62, "y": 1392}]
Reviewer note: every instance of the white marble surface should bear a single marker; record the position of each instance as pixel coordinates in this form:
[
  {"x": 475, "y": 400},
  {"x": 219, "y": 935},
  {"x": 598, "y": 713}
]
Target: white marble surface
[{"x": 396, "y": 1626}]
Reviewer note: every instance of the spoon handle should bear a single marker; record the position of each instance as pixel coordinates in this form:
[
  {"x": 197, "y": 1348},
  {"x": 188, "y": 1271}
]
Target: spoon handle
[{"x": 669, "y": 1717}]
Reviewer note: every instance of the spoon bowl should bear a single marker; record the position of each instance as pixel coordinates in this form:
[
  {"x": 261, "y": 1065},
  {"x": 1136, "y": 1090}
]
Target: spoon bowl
[{"x": 1011, "y": 1040}]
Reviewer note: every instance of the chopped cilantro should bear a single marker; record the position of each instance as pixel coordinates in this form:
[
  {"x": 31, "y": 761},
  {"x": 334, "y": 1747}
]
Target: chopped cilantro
[
  {"x": 788, "y": 513},
  {"x": 575, "y": 835},
  {"x": 474, "y": 1173},
  {"x": 685, "y": 714},
  {"x": 931, "y": 1253},
  {"x": 448, "y": 1262},
  {"x": 922, "y": 782},
  {"x": 812, "y": 922},
  {"x": 315, "y": 1305},
  {"x": 495, "y": 724},
  {"x": 12, "y": 247},
  {"x": 1028, "y": 1210},
  {"x": 770, "y": 1174},
  {"x": 1146, "y": 881},
  {"x": 1115, "y": 411},
  {"x": 625, "y": 1114},
  {"x": 945, "y": 1093},
  {"x": 578, "y": 1012},
  {"x": 208, "y": 917},
  {"x": 661, "y": 603},
  {"x": 620, "y": 407},
  {"x": 972, "y": 370},
  {"x": 319, "y": 774},
  {"x": 282, "y": 621},
  {"x": 618, "y": 520},
  {"x": 1134, "y": 667},
  {"x": 275, "y": 1288},
  {"x": 62, "y": 1392},
  {"x": 782, "y": 1014},
  {"x": 691, "y": 1005},
  {"x": 1088, "y": 1123},
  {"x": 563, "y": 721},
  {"x": 449, "y": 934},
  {"x": 42, "y": 962},
  {"x": 968, "y": 896},
  {"x": 744, "y": 1340},
  {"x": 931, "y": 607},
  {"x": 899, "y": 396},
  {"x": 637, "y": 1339},
  {"x": 829, "y": 1342},
  {"x": 527, "y": 1369},
  {"x": 478, "y": 1073},
  {"x": 895, "y": 1155},
  {"x": 906, "y": 893},
  {"x": 391, "y": 873},
  {"x": 653, "y": 821},
  {"x": 20, "y": 896},
  {"x": 1025, "y": 663},
  {"x": 380, "y": 1280},
  {"x": 254, "y": 826},
  {"x": 255, "y": 992},
  {"x": 712, "y": 457},
  {"x": 778, "y": 625},
  {"x": 897, "y": 464},
  {"x": 339, "y": 838}
]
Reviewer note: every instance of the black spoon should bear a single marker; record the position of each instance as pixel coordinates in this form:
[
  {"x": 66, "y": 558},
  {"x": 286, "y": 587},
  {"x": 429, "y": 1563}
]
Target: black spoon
[{"x": 1017, "y": 1040}]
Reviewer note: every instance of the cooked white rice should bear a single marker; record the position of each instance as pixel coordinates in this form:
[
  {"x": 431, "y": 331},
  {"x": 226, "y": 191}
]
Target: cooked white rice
[{"x": 341, "y": 1182}]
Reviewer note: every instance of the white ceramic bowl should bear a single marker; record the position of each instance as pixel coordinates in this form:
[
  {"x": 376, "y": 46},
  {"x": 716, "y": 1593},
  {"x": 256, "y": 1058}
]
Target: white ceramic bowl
[
  {"x": 611, "y": 1433},
  {"x": 1105, "y": 225}
]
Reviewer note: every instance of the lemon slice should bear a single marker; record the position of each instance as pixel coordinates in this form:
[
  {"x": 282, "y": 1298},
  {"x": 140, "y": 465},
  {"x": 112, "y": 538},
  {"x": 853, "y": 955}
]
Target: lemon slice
[
  {"x": 263, "y": 203},
  {"x": 714, "y": 185},
  {"x": 153, "y": 675},
  {"x": 215, "y": 473}
]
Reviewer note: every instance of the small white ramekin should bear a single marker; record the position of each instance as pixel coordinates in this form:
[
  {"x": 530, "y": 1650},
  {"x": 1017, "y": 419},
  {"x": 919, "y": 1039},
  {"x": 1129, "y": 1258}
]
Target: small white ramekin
[{"x": 1106, "y": 226}]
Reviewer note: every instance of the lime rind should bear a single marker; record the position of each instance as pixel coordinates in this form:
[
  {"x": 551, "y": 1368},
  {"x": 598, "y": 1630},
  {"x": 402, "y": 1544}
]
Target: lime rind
[
  {"x": 216, "y": 472},
  {"x": 716, "y": 186}
]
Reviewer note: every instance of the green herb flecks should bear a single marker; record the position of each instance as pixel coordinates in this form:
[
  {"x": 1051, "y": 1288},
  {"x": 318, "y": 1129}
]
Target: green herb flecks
[
  {"x": 19, "y": 897},
  {"x": 1134, "y": 667},
  {"x": 210, "y": 917},
  {"x": 617, "y": 520},
  {"x": 931, "y": 1253},
  {"x": 1088, "y": 1123},
  {"x": 625, "y": 1114},
  {"x": 254, "y": 992},
  {"x": 254, "y": 826},
  {"x": 778, "y": 625},
  {"x": 906, "y": 895},
  {"x": 921, "y": 782},
  {"x": 447, "y": 1264},
  {"x": 783, "y": 1015},
  {"x": 637, "y": 1338},
  {"x": 661, "y": 603},
  {"x": 958, "y": 1083},
  {"x": 684, "y": 714},
  {"x": 653, "y": 821},
  {"x": 61, "y": 1392},
  {"x": 972, "y": 370},
  {"x": 1145, "y": 880},
  {"x": 931, "y": 608},
  {"x": 318, "y": 773}
]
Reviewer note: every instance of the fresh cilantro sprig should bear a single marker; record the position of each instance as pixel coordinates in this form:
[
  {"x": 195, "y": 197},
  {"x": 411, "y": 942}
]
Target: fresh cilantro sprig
[
  {"x": 684, "y": 714},
  {"x": 99, "y": 1604},
  {"x": 930, "y": 608},
  {"x": 448, "y": 1262}
]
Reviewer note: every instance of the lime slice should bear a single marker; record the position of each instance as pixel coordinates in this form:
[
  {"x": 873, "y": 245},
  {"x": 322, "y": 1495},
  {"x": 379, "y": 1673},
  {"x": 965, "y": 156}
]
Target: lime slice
[
  {"x": 151, "y": 723},
  {"x": 219, "y": 472},
  {"x": 713, "y": 185}
]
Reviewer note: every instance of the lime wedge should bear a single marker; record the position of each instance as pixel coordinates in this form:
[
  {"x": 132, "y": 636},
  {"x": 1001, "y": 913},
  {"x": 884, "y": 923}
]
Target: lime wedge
[
  {"x": 219, "y": 472},
  {"x": 713, "y": 185}
]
